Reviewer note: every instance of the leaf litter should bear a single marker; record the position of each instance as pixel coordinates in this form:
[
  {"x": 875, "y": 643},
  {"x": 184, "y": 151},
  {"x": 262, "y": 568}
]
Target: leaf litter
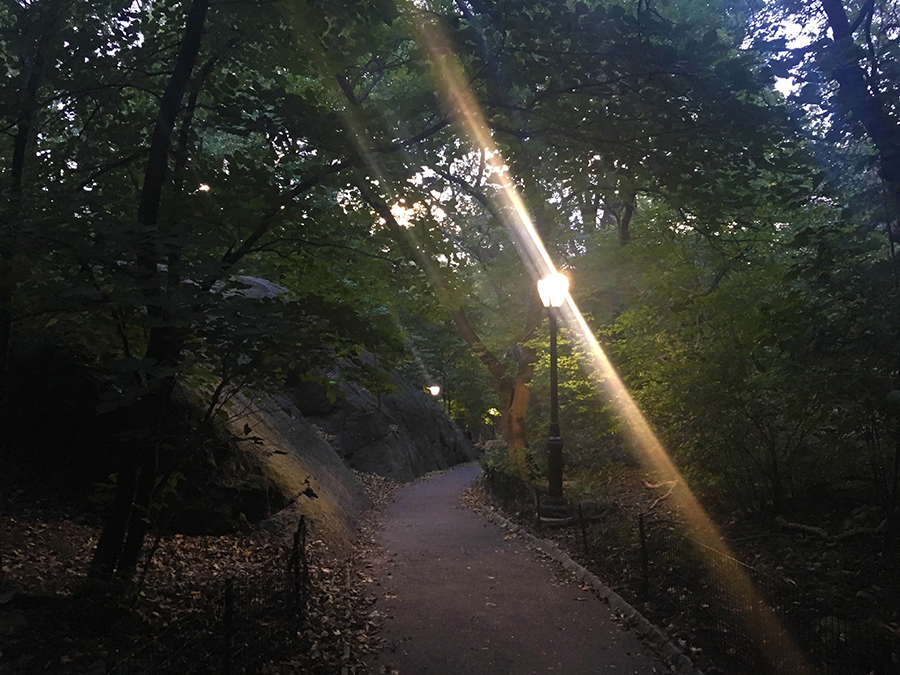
[{"x": 54, "y": 619}]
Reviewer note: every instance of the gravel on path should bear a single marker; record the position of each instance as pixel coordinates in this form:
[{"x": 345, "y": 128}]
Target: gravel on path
[{"x": 462, "y": 596}]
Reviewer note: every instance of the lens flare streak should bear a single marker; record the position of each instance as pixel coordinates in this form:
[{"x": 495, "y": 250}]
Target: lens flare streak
[
  {"x": 771, "y": 639},
  {"x": 470, "y": 120}
]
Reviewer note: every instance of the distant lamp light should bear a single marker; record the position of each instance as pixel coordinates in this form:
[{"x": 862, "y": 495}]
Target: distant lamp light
[
  {"x": 553, "y": 289},
  {"x": 204, "y": 187},
  {"x": 435, "y": 390}
]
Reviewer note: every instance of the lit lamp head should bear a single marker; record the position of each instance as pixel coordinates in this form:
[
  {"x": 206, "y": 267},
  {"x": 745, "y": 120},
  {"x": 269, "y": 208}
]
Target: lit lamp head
[
  {"x": 434, "y": 389},
  {"x": 553, "y": 290}
]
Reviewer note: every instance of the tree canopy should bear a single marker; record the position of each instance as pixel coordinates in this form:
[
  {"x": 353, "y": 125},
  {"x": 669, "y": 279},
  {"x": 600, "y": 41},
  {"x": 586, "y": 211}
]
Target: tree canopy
[{"x": 732, "y": 246}]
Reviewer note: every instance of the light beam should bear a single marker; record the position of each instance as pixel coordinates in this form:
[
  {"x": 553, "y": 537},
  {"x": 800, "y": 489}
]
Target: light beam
[{"x": 772, "y": 640}]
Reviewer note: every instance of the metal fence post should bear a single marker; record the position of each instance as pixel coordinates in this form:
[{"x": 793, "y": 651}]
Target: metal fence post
[
  {"x": 584, "y": 538},
  {"x": 228, "y": 626},
  {"x": 297, "y": 567},
  {"x": 645, "y": 567}
]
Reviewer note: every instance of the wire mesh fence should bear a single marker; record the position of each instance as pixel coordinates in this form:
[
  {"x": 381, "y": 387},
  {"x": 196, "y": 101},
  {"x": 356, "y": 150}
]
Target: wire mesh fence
[{"x": 234, "y": 626}]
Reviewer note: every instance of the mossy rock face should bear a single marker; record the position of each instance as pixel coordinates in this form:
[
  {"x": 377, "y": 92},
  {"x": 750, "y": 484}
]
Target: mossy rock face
[
  {"x": 303, "y": 468},
  {"x": 892, "y": 402},
  {"x": 311, "y": 397},
  {"x": 62, "y": 450},
  {"x": 226, "y": 510}
]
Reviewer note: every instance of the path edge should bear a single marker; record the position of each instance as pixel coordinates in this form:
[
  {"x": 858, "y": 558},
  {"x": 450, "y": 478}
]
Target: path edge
[{"x": 646, "y": 630}]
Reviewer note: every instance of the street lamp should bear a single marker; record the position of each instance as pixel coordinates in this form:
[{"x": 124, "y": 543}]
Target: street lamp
[
  {"x": 553, "y": 290},
  {"x": 435, "y": 390}
]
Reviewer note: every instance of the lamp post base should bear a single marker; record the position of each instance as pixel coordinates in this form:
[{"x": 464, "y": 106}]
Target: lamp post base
[{"x": 555, "y": 510}]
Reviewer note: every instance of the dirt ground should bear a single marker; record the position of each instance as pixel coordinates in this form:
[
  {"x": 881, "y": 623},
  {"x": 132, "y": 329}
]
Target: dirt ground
[{"x": 53, "y": 619}]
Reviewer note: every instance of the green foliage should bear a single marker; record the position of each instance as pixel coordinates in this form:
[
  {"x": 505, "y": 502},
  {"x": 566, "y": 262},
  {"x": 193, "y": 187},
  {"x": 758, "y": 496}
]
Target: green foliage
[
  {"x": 439, "y": 356},
  {"x": 765, "y": 377},
  {"x": 753, "y": 312},
  {"x": 258, "y": 179},
  {"x": 497, "y": 464},
  {"x": 256, "y": 123},
  {"x": 587, "y": 422},
  {"x": 495, "y": 461}
]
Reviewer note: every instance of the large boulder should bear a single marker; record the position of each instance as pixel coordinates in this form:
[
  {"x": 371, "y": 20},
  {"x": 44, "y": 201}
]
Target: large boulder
[
  {"x": 275, "y": 464},
  {"x": 401, "y": 435},
  {"x": 303, "y": 467}
]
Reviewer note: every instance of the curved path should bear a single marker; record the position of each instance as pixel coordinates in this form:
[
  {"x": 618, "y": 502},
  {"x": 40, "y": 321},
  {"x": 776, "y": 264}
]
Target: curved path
[{"x": 462, "y": 597}]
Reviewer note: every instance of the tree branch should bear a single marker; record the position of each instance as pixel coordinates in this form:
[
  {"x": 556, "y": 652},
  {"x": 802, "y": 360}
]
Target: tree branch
[
  {"x": 154, "y": 176},
  {"x": 233, "y": 256}
]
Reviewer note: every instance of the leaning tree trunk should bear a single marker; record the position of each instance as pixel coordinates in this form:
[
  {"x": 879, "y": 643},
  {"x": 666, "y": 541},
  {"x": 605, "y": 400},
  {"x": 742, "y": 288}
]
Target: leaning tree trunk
[
  {"x": 869, "y": 107},
  {"x": 514, "y": 393},
  {"x": 118, "y": 550}
]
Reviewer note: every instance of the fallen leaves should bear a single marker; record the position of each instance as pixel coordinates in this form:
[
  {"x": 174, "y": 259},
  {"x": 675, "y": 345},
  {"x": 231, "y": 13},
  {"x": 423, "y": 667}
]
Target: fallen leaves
[{"x": 180, "y": 601}]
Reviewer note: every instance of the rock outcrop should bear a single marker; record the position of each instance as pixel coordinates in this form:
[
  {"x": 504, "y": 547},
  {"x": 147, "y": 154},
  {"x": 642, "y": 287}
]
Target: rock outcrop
[
  {"x": 303, "y": 467},
  {"x": 307, "y": 445},
  {"x": 283, "y": 456},
  {"x": 401, "y": 435}
]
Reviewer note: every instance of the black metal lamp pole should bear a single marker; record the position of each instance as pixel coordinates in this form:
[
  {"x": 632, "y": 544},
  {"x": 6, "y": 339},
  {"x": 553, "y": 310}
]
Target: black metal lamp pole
[
  {"x": 554, "y": 508},
  {"x": 554, "y": 441}
]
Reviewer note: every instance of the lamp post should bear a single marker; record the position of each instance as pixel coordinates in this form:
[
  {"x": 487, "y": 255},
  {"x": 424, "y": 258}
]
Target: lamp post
[{"x": 553, "y": 290}]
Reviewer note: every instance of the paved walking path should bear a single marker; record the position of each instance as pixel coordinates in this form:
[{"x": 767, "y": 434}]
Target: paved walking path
[{"x": 462, "y": 597}]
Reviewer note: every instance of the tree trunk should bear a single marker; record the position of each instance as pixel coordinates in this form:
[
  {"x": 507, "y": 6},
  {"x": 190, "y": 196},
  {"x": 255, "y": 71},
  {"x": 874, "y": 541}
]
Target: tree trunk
[
  {"x": 169, "y": 106},
  {"x": 893, "y": 515},
  {"x": 514, "y": 415},
  {"x": 590, "y": 208},
  {"x": 108, "y": 552},
  {"x": 31, "y": 60},
  {"x": 863, "y": 104},
  {"x": 624, "y": 221},
  {"x": 118, "y": 550},
  {"x": 139, "y": 518},
  {"x": 513, "y": 391}
]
